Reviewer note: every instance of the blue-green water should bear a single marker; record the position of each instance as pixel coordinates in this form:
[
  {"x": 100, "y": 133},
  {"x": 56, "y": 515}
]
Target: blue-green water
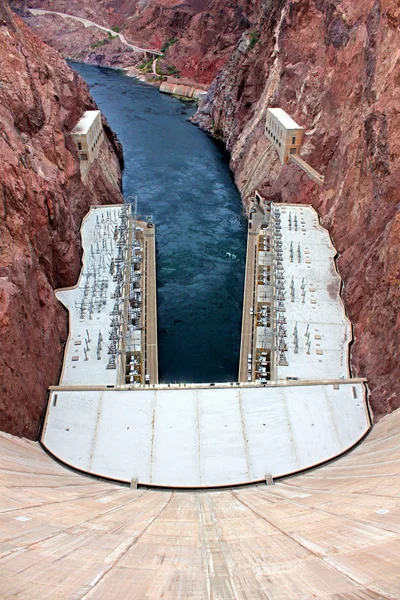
[{"x": 181, "y": 177}]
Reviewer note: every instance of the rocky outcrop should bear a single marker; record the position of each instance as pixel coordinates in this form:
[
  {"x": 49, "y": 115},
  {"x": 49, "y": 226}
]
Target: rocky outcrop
[
  {"x": 198, "y": 35},
  {"x": 334, "y": 66},
  {"x": 42, "y": 202},
  {"x": 205, "y": 33}
]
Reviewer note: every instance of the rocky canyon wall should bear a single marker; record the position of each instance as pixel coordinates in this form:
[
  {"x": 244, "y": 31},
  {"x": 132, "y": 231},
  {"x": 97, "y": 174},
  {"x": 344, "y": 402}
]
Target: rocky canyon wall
[
  {"x": 200, "y": 34},
  {"x": 42, "y": 202},
  {"x": 334, "y": 65}
]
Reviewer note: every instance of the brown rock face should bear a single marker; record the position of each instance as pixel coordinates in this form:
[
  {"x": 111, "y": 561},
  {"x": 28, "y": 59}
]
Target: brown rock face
[
  {"x": 205, "y": 32},
  {"x": 334, "y": 66},
  {"x": 42, "y": 202}
]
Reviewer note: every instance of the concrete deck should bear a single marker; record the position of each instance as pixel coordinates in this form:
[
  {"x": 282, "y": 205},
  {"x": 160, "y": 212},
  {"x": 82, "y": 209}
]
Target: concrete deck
[
  {"x": 293, "y": 311},
  {"x": 204, "y": 437},
  {"x": 313, "y": 304},
  {"x": 101, "y": 333},
  {"x": 90, "y": 303}
]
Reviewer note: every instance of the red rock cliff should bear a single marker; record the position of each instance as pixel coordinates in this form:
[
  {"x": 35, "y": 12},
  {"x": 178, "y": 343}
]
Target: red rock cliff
[
  {"x": 334, "y": 66},
  {"x": 205, "y": 32},
  {"x": 42, "y": 202}
]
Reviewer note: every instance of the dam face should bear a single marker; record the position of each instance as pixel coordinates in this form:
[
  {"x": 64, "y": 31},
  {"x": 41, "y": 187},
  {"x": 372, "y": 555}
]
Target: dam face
[
  {"x": 330, "y": 533},
  {"x": 181, "y": 177}
]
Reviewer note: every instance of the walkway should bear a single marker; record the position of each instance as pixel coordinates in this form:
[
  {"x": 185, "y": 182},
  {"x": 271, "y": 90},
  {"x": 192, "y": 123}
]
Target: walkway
[
  {"x": 154, "y": 66},
  {"x": 304, "y": 166},
  {"x": 249, "y": 300},
  {"x": 38, "y": 12},
  {"x": 150, "y": 305}
]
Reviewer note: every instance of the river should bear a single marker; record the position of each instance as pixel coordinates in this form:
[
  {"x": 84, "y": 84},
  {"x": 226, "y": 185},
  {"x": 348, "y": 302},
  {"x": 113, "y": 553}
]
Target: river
[{"x": 181, "y": 178}]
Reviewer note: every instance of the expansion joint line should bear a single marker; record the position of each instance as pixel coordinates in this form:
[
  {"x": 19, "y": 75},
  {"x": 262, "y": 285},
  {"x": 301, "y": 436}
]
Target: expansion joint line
[
  {"x": 330, "y": 513},
  {"x": 362, "y": 586},
  {"x": 55, "y": 535},
  {"x": 210, "y": 564},
  {"x": 125, "y": 550}
]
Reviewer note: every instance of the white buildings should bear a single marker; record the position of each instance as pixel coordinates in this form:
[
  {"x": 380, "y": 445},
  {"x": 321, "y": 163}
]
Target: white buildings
[
  {"x": 284, "y": 133},
  {"x": 88, "y": 136}
]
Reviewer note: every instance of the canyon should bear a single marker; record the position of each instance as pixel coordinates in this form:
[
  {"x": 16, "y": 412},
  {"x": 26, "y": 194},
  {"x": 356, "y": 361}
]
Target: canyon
[
  {"x": 333, "y": 66},
  {"x": 42, "y": 203},
  {"x": 330, "y": 532},
  {"x": 198, "y": 36}
]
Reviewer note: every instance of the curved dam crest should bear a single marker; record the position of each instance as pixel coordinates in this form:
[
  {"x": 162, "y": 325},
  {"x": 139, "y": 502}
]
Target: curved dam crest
[{"x": 181, "y": 177}]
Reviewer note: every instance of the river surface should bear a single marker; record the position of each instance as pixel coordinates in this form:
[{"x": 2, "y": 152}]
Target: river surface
[{"x": 181, "y": 177}]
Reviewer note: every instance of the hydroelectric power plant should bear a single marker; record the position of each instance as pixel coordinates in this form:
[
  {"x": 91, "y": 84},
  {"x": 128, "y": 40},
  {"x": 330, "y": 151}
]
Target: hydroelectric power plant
[
  {"x": 292, "y": 405},
  {"x": 206, "y": 433},
  {"x": 295, "y": 406}
]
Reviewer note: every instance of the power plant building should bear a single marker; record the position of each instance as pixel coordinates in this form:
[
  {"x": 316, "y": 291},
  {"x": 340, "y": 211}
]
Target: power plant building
[
  {"x": 88, "y": 136},
  {"x": 284, "y": 133}
]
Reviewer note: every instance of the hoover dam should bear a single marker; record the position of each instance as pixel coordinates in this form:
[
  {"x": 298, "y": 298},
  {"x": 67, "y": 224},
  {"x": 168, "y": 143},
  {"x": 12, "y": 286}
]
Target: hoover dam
[
  {"x": 179, "y": 530},
  {"x": 198, "y": 381}
]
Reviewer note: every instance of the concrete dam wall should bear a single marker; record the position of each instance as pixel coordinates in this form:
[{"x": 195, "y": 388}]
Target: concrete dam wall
[{"x": 333, "y": 532}]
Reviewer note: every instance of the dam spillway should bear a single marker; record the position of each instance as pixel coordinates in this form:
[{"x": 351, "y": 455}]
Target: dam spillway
[{"x": 109, "y": 416}]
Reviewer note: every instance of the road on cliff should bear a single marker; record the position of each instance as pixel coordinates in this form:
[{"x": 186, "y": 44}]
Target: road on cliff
[{"x": 39, "y": 11}]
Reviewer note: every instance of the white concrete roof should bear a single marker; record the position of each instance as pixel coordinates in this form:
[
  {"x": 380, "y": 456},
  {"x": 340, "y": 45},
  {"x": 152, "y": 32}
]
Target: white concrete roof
[
  {"x": 285, "y": 119},
  {"x": 204, "y": 437},
  {"x": 322, "y": 313},
  {"x": 85, "y": 122},
  {"x": 98, "y": 248}
]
